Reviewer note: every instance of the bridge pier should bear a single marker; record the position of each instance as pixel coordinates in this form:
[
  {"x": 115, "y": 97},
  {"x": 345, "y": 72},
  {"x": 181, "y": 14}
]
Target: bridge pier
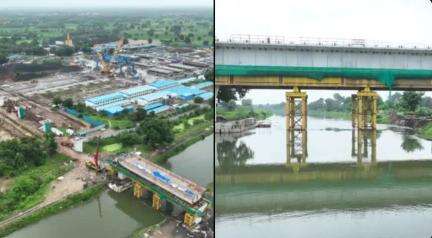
[
  {"x": 138, "y": 190},
  {"x": 189, "y": 219},
  {"x": 156, "y": 202},
  {"x": 296, "y": 107},
  {"x": 364, "y": 109}
]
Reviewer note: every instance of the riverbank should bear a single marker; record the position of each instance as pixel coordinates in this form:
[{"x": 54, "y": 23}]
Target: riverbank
[
  {"x": 40, "y": 213},
  {"x": 243, "y": 112}
]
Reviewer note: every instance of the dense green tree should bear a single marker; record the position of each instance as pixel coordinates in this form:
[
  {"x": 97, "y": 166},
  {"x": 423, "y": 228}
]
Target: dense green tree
[
  {"x": 410, "y": 100},
  {"x": 68, "y": 103},
  {"x": 64, "y": 51},
  {"x": 140, "y": 114},
  {"x": 226, "y": 94},
  {"x": 155, "y": 131}
]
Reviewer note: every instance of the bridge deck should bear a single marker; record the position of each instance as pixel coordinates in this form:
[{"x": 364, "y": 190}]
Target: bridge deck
[{"x": 183, "y": 188}]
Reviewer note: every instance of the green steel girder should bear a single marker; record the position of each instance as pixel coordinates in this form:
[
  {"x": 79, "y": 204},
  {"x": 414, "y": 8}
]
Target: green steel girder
[{"x": 155, "y": 189}]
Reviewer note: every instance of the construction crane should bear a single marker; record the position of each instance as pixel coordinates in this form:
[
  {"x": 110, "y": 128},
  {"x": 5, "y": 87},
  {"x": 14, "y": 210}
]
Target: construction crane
[{"x": 94, "y": 165}]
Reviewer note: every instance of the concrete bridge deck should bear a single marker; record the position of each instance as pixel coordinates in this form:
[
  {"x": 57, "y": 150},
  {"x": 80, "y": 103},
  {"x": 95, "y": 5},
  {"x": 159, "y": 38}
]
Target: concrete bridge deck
[
  {"x": 278, "y": 65},
  {"x": 183, "y": 188}
]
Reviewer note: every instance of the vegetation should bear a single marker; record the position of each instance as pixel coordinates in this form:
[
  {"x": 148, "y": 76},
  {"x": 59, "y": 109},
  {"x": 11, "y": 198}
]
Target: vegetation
[
  {"x": 18, "y": 155},
  {"x": 232, "y": 111},
  {"x": 227, "y": 94},
  {"x": 28, "y": 34},
  {"x": 55, "y": 208},
  {"x": 30, "y": 187}
]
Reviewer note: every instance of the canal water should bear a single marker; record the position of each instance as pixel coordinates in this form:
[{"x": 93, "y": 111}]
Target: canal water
[
  {"x": 118, "y": 215},
  {"x": 325, "y": 188}
]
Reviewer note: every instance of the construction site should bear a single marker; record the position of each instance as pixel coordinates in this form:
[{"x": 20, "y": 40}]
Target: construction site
[{"x": 116, "y": 77}]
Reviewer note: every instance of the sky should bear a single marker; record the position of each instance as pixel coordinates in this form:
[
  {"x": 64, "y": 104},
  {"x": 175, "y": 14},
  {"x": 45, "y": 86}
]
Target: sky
[
  {"x": 405, "y": 21},
  {"x": 103, "y": 3}
]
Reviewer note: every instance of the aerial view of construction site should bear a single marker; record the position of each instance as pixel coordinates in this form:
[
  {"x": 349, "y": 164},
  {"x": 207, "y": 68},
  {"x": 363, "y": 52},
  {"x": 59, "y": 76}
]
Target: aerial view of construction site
[{"x": 106, "y": 121}]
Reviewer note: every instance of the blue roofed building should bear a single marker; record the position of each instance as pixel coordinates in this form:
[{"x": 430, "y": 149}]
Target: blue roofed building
[
  {"x": 164, "y": 84},
  {"x": 138, "y": 91},
  {"x": 158, "y": 96},
  {"x": 184, "y": 93},
  {"x": 100, "y": 102}
]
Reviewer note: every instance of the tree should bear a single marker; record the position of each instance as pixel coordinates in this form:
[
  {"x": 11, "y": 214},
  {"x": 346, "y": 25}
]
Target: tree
[
  {"x": 246, "y": 102},
  {"x": 198, "y": 100},
  {"x": 155, "y": 131},
  {"x": 68, "y": 103},
  {"x": 410, "y": 100},
  {"x": 57, "y": 101},
  {"x": 64, "y": 51},
  {"x": 231, "y": 105},
  {"x": 140, "y": 114},
  {"x": 226, "y": 94},
  {"x": 50, "y": 144},
  {"x": 3, "y": 59}
]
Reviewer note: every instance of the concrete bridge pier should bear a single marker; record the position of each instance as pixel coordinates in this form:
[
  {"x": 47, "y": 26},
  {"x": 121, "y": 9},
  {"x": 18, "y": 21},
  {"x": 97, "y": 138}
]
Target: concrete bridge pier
[
  {"x": 364, "y": 109},
  {"x": 138, "y": 190}
]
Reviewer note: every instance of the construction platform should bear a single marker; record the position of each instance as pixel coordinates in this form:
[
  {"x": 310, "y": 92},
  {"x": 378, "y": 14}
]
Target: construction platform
[{"x": 182, "y": 188}]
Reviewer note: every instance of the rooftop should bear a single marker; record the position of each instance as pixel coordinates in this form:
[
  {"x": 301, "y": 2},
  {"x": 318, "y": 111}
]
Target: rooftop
[
  {"x": 164, "y": 83},
  {"x": 106, "y": 97},
  {"x": 138, "y": 89}
]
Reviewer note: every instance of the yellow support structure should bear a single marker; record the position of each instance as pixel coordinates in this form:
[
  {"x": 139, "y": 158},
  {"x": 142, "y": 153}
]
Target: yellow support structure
[
  {"x": 138, "y": 190},
  {"x": 364, "y": 109},
  {"x": 296, "y": 107},
  {"x": 157, "y": 203},
  {"x": 189, "y": 219}
]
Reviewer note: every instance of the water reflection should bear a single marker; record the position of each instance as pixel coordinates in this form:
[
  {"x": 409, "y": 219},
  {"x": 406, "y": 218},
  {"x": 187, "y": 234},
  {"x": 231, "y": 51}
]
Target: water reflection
[
  {"x": 362, "y": 142},
  {"x": 296, "y": 149},
  {"x": 232, "y": 154},
  {"x": 410, "y": 143}
]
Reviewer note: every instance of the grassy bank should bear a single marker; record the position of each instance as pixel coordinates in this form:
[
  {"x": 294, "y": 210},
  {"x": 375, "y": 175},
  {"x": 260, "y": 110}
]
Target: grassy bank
[
  {"x": 31, "y": 186},
  {"x": 183, "y": 141},
  {"x": 53, "y": 209},
  {"x": 426, "y": 131},
  {"x": 242, "y": 112}
]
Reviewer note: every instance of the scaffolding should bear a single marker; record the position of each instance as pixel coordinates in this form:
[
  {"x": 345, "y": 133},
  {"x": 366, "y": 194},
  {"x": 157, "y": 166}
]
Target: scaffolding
[{"x": 364, "y": 109}]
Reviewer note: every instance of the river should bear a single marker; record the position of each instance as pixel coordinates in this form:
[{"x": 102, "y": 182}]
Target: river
[
  {"x": 118, "y": 215},
  {"x": 326, "y": 188}
]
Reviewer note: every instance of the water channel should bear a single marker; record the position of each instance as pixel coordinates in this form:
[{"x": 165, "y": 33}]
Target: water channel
[
  {"x": 338, "y": 183},
  {"x": 118, "y": 215}
]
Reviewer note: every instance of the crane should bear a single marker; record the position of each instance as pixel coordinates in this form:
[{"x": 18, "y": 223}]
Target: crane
[{"x": 94, "y": 165}]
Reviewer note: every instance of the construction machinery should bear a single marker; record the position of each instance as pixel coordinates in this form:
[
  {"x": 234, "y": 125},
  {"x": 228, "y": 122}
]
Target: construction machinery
[{"x": 94, "y": 165}]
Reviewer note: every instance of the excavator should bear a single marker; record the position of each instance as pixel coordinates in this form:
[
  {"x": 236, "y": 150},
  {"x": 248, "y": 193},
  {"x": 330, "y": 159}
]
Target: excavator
[{"x": 94, "y": 165}]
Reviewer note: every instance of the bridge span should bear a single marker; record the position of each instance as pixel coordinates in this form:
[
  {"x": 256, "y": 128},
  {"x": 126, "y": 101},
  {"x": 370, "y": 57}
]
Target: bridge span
[
  {"x": 350, "y": 64},
  {"x": 163, "y": 186},
  {"x": 274, "y": 63}
]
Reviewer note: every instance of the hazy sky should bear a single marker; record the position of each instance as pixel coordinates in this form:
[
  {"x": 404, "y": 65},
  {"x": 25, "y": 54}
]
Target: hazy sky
[
  {"x": 103, "y": 3},
  {"x": 382, "y": 20}
]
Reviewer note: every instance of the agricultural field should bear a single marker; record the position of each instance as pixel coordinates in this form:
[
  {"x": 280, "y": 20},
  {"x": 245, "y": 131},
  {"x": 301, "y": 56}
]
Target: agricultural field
[{"x": 30, "y": 33}]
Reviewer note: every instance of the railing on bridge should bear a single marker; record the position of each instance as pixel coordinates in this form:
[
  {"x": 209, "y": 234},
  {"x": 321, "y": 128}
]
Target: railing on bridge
[{"x": 326, "y": 42}]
